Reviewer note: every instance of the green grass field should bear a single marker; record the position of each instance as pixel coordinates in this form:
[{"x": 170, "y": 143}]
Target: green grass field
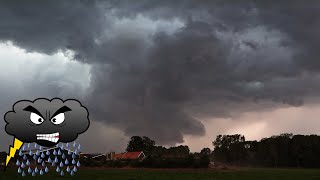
[{"x": 145, "y": 174}]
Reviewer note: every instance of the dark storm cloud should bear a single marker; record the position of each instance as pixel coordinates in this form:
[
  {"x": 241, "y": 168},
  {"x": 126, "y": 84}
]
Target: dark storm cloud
[
  {"x": 223, "y": 57},
  {"x": 51, "y": 26},
  {"x": 300, "y": 21},
  {"x": 21, "y": 125}
]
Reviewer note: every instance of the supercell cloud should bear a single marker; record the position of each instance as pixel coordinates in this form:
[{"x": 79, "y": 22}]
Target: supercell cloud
[{"x": 159, "y": 68}]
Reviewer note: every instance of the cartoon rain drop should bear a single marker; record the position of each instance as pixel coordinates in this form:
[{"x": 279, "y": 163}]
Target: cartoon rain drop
[
  {"x": 35, "y": 157},
  {"x": 56, "y": 160},
  {"x": 57, "y": 169},
  {"x": 18, "y": 162},
  {"x": 29, "y": 170},
  {"x": 37, "y": 153},
  {"x": 46, "y": 169},
  {"x": 19, "y": 170},
  {"x": 22, "y": 165}
]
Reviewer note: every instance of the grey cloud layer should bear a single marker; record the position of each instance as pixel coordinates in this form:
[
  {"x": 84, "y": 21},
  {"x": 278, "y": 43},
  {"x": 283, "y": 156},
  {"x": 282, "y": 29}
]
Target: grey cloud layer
[{"x": 156, "y": 82}]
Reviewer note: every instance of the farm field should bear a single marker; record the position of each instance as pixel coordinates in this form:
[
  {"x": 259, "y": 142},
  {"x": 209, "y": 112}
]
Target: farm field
[{"x": 153, "y": 174}]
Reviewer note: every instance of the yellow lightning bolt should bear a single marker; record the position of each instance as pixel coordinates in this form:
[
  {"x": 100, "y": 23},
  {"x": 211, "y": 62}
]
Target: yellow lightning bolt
[{"x": 12, "y": 151}]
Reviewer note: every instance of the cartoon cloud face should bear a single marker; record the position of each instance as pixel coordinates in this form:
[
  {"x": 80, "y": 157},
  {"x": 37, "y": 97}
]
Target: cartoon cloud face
[{"x": 47, "y": 122}]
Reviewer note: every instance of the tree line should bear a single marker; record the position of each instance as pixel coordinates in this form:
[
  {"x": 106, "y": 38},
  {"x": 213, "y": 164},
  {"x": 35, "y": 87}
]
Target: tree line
[{"x": 285, "y": 150}]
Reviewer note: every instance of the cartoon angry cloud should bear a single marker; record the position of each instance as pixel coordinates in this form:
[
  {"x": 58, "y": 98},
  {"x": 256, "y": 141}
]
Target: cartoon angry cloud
[{"x": 47, "y": 122}]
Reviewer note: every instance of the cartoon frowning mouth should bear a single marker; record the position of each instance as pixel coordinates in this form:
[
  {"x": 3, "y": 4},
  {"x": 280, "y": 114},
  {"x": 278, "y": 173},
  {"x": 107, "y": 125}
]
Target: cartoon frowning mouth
[{"x": 54, "y": 137}]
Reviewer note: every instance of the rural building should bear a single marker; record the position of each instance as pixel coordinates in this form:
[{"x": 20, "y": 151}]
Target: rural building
[
  {"x": 138, "y": 155},
  {"x": 97, "y": 156}
]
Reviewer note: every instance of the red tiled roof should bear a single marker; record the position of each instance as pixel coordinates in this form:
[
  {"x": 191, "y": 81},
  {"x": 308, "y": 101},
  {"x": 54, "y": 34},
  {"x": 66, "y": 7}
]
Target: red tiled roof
[
  {"x": 132, "y": 155},
  {"x": 118, "y": 156}
]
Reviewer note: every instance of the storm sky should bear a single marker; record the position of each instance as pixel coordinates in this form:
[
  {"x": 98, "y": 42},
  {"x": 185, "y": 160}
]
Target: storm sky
[{"x": 179, "y": 72}]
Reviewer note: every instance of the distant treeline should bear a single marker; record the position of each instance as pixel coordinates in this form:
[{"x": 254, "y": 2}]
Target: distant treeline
[{"x": 285, "y": 150}]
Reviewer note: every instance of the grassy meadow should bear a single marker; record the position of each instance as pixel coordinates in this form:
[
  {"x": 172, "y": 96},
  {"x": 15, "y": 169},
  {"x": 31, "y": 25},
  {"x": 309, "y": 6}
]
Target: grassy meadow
[{"x": 147, "y": 174}]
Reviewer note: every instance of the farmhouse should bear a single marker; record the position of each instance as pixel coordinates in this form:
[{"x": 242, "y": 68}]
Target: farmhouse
[{"x": 137, "y": 155}]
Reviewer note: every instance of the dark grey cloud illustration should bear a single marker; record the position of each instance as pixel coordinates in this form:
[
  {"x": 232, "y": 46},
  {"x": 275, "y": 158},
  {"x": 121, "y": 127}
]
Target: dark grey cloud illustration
[
  {"x": 159, "y": 67},
  {"x": 47, "y": 122}
]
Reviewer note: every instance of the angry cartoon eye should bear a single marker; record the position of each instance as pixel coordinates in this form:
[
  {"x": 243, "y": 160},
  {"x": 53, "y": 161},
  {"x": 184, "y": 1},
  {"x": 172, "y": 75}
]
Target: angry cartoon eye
[
  {"x": 36, "y": 119},
  {"x": 58, "y": 119}
]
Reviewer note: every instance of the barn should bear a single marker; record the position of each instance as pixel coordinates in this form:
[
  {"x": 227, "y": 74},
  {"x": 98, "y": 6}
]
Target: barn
[{"x": 137, "y": 155}]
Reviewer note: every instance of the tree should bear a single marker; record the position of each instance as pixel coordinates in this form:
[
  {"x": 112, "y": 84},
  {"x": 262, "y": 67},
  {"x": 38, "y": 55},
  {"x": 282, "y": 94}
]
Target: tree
[
  {"x": 179, "y": 151},
  {"x": 229, "y": 148},
  {"x": 138, "y": 143},
  {"x": 158, "y": 151},
  {"x": 205, "y": 151}
]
